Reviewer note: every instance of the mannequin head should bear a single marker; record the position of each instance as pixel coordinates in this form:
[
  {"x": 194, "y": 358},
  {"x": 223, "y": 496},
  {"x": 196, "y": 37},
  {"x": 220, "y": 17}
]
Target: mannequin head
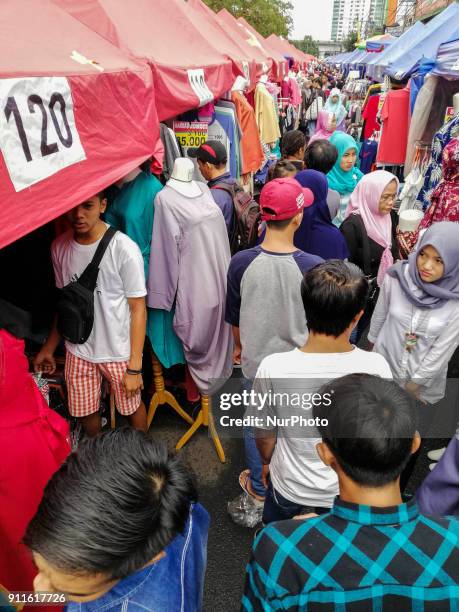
[
  {"x": 182, "y": 178},
  {"x": 240, "y": 84},
  {"x": 456, "y": 103}
]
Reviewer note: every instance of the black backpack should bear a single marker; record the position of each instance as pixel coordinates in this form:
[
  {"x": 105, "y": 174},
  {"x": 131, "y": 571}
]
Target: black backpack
[
  {"x": 246, "y": 217},
  {"x": 75, "y": 306}
]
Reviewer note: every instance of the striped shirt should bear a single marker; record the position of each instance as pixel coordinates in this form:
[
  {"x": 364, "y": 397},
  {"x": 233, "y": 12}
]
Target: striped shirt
[{"x": 356, "y": 557}]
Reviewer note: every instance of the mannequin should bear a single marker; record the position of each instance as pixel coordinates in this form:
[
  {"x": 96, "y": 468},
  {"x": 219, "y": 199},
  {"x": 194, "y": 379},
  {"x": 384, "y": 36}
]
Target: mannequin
[
  {"x": 182, "y": 178},
  {"x": 456, "y": 103},
  {"x": 263, "y": 79},
  {"x": 188, "y": 268}
]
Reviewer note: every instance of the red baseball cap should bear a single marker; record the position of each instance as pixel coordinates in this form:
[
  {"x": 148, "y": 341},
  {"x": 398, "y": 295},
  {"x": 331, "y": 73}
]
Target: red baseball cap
[{"x": 284, "y": 198}]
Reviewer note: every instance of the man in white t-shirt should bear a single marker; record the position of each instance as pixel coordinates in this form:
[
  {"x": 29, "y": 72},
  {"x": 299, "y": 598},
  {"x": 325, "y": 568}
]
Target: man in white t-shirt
[
  {"x": 334, "y": 295},
  {"x": 114, "y": 349}
]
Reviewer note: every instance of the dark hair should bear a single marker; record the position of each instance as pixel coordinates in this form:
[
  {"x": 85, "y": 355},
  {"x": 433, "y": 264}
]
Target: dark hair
[
  {"x": 333, "y": 293},
  {"x": 278, "y": 225},
  {"x": 281, "y": 169},
  {"x": 317, "y": 81},
  {"x": 320, "y": 155},
  {"x": 370, "y": 427},
  {"x": 292, "y": 142},
  {"x": 113, "y": 506}
]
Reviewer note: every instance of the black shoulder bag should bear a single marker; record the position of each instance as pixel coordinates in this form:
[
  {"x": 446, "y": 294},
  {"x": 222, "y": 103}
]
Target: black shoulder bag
[
  {"x": 75, "y": 306},
  {"x": 372, "y": 280}
]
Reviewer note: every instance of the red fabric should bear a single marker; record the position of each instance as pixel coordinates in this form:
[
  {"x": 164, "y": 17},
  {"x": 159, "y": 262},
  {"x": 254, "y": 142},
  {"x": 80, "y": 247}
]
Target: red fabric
[
  {"x": 114, "y": 111},
  {"x": 445, "y": 197},
  {"x": 164, "y": 33},
  {"x": 231, "y": 25},
  {"x": 369, "y": 115},
  {"x": 34, "y": 442},
  {"x": 223, "y": 40},
  {"x": 284, "y": 47},
  {"x": 395, "y": 118},
  {"x": 270, "y": 50}
]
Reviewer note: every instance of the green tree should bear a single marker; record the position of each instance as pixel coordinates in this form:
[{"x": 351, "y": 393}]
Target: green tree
[
  {"x": 350, "y": 41},
  {"x": 307, "y": 45},
  {"x": 266, "y": 16}
]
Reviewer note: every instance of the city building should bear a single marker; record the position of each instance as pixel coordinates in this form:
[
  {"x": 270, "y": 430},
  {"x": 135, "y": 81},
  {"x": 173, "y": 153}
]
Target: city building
[
  {"x": 329, "y": 47},
  {"x": 363, "y": 16}
]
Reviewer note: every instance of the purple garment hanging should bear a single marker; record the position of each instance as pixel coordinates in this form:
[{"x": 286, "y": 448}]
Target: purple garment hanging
[{"x": 188, "y": 266}]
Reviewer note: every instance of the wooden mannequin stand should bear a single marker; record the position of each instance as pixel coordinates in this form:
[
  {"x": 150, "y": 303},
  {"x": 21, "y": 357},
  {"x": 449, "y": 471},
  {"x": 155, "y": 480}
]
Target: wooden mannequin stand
[
  {"x": 162, "y": 396},
  {"x": 206, "y": 419}
]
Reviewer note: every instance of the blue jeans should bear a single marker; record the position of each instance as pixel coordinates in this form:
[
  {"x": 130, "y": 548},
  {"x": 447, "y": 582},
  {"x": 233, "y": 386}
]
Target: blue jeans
[
  {"x": 253, "y": 460},
  {"x": 278, "y": 508}
]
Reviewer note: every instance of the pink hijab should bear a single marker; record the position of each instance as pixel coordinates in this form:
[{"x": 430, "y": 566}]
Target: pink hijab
[
  {"x": 365, "y": 202},
  {"x": 323, "y": 121}
]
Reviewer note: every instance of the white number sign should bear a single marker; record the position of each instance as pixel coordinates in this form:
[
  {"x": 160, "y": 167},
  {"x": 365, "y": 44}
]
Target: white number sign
[
  {"x": 199, "y": 86},
  {"x": 38, "y": 135}
]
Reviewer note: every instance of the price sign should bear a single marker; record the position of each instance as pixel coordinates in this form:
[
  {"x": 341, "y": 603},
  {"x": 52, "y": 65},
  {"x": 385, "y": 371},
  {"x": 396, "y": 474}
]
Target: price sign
[
  {"x": 191, "y": 133},
  {"x": 38, "y": 135},
  {"x": 198, "y": 84}
]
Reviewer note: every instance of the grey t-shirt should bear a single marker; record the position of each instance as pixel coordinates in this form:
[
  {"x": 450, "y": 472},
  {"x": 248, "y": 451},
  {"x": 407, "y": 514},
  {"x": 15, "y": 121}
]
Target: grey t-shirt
[{"x": 264, "y": 301}]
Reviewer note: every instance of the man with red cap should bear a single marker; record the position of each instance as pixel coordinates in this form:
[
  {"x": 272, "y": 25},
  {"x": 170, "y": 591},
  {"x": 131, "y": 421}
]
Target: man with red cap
[{"x": 263, "y": 301}]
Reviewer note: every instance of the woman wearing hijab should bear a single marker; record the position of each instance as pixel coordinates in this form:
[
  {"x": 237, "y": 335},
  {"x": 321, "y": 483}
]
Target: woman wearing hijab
[
  {"x": 344, "y": 176},
  {"x": 34, "y": 441},
  {"x": 326, "y": 125},
  {"x": 415, "y": 325},
  {"x": 334, "y": 105},
  {"x": 370, "y": 233},
  {"x": 317, "y": 234}
]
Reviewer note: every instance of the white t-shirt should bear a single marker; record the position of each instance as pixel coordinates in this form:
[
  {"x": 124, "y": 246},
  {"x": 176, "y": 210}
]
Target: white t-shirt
[
  {"x": 296, "y": 470},
  {"x": 121, "y": 276}
]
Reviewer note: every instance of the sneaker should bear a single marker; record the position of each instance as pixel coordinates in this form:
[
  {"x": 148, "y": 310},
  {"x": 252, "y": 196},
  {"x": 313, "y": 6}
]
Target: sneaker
[
  {"x": 436, "y": 455},
  {"x": 432, "y": 465}
]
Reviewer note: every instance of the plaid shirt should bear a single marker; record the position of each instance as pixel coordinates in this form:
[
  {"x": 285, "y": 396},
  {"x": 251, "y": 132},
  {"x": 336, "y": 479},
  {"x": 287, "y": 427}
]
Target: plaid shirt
[{"x": 356, "y": 558}]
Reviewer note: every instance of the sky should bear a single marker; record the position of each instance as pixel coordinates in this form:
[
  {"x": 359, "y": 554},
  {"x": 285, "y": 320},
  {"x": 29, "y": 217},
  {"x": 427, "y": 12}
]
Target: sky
[{"x": 312, "y": 17}]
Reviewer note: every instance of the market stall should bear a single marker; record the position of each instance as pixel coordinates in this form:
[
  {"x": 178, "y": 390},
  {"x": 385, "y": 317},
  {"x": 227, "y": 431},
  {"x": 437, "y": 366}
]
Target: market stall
[{"x": 78, "y": 114}]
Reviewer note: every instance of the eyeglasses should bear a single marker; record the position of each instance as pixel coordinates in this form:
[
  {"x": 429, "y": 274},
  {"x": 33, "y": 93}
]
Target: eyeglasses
[{"x": 388, "y": 198}]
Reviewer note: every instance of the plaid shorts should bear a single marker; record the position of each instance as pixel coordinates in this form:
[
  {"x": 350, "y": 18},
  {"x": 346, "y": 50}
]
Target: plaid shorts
[{"x": 84, "y": 383}]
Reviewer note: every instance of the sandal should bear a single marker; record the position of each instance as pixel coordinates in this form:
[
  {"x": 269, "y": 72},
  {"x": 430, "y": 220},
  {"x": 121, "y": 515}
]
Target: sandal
[{"x": 246, "y": 485}]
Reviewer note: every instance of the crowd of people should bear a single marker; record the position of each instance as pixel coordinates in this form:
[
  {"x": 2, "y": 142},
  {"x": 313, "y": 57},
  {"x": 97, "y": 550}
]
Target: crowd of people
[{"x": 119, "y": 525}]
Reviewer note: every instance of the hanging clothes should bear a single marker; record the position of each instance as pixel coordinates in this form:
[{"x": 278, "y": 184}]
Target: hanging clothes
[
  {"x": 266, "y": 116},
  {"x": 252, "y": 151},
  {"x": 395, "y": 116},
  {"x": 433, "y": 173},
  {"x": 367, "y": 155},
  {"x": 225, "y": 113},
  {"x": 188, "y": 267},
  {"x": 369, "y": 114},
  {"x": 171, "y": 149},
  {"x": 445, "y": 196},
  {"x": 132, "y": 213}
]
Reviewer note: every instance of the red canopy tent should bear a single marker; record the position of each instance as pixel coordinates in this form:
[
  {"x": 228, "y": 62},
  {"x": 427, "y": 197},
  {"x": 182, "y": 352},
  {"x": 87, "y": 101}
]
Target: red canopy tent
[
  {"x": 250, "y": 42},
  {"x": 77, "y": 115},
  {"x": 188, "y": 70},
  {"x": 233, "y": 47},
  {"x": 269, "y": 49},
  {"x": 288, "y": 49}
]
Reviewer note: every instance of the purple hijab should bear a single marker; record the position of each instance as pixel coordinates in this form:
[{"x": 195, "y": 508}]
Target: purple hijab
[
  {"x": 317, "y": 234},
  {"x": 444, "y": 237},
  {"x": 439, "y": 493}
]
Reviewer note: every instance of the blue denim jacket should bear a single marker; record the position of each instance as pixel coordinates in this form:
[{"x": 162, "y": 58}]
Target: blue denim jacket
[{"x": 173, "y": 584}]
